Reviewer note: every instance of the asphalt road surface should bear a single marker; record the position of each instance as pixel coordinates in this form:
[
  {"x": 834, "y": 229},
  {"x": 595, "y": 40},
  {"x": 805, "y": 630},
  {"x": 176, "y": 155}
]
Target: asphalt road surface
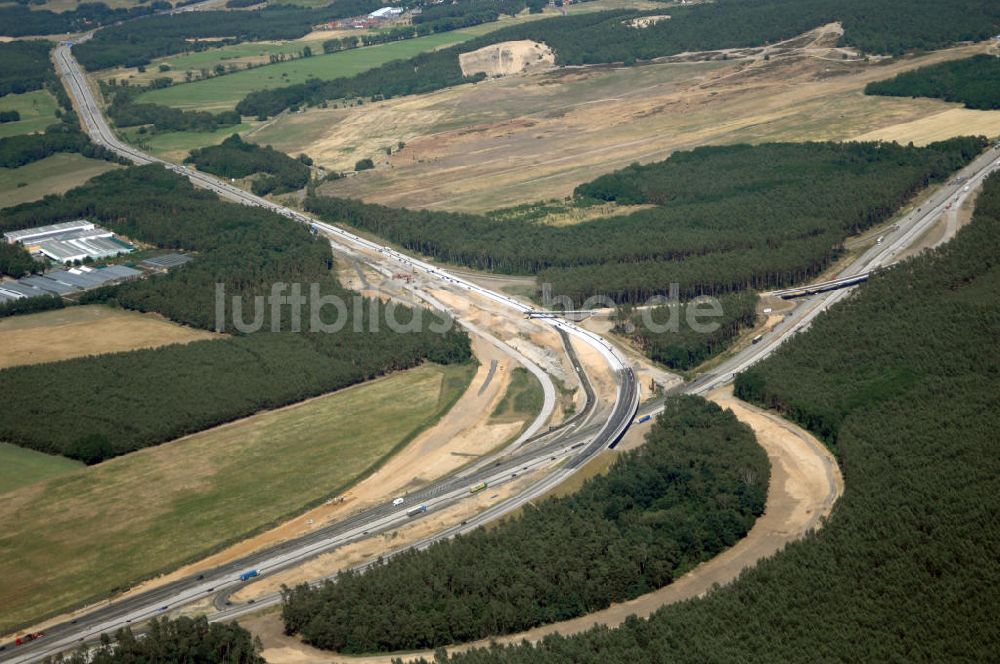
[{"x": 565, "y": 450}]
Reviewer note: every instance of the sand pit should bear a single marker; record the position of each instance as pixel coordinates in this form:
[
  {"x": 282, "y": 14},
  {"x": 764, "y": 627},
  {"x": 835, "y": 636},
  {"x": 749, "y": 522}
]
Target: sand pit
[
  {"x": 507, "y": 58},
  {"x": 646, "y": 21}
]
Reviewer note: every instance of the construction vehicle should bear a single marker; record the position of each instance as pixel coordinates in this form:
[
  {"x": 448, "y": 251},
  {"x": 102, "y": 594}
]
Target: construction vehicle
[{"x": 246, "y": 576}]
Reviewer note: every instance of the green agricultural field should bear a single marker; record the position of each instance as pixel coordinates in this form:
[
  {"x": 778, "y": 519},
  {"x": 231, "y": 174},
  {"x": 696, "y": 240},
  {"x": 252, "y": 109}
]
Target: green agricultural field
[
  {"x": 226, "y": 54},
  {"x": 37, "y": 109},
  {"x": 177, "y": 144},
  {"x": 223, "y": 92},
  {"x": 53, "y": 175},
  {"x": 103, "y": 528},
  {"x": 20, "y": 467}
]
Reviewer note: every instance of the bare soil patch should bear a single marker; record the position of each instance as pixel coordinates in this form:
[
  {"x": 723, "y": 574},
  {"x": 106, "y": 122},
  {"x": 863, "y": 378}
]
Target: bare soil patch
[
  {"x": 646, "y": 21},
  {"x": 506, "y": 58},
  {"x": 520, "y": 139}
]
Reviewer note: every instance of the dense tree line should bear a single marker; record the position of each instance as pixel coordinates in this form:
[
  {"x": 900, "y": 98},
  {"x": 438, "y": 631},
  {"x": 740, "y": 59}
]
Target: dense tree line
[
  {"x": 9, "y": 116},
  {"x": 901, "y": 381},
  {"x": 127, "y": 113},
  {"x": 726, "y": 219},
  {"x": 188, "y": 640},
  {"x": 64, "y": 136},
  {"x": 691, "y": 491},
  {"x": 974, "y": 82},
  {"x": 24, "y": 66},
  {"x": 20, "y": 21},
  {"x": 15, "y": 261},
  {"x": 146, "y": 397},
  {"x": 30, "y": 305},
  {"x": 136, "y": 43},
  {"x": 887, "y": 26},
  {"x": 235, "y": 158},
  {"x": 676, "y": 337}
]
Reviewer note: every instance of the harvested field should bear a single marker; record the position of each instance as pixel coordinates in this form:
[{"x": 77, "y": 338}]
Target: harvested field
[
  {"x": 941, "y": 125},
  {"x": 87, "y": 330},
  {"x": 519, "y": 139}
]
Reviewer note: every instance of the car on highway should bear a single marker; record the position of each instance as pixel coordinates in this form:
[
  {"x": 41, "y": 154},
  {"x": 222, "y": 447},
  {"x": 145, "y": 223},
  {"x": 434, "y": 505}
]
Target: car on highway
[{"x": 398, "y": 501}]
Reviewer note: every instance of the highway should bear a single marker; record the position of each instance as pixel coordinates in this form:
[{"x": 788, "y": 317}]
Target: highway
[
  {"x": 904, "y": 234},
  {"x": 561, "y": 452}
]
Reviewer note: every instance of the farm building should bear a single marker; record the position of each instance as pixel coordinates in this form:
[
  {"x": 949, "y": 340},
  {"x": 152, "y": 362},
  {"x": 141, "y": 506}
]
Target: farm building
[
  {"x": 70, "y": 242},
  {"x": 386, "y": 12},
  {"x": 66, "y": 282},
  {"x": 165, "y": 262},
  {"x": 29, "y": 235}
]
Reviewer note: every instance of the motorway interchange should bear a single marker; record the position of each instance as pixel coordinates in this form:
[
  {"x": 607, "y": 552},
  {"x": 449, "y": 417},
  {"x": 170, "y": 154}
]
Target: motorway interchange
[{"x": 560, "y": 452}]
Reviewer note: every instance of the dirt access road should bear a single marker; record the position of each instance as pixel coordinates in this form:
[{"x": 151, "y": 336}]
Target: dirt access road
[{"x": 805, "y": 484}]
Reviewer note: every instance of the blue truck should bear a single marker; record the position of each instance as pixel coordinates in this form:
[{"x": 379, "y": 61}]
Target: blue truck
[
  {"x": 246, "y": 576},
  {"x": 417, "y": 510},
  {"x": 644, "y": 418}
]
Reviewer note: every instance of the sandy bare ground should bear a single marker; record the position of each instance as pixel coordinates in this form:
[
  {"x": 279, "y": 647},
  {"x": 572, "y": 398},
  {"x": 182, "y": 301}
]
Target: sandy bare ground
[
  {"x": 805, "y": 483},
  {"x": 386, "y": 543},
  {"x": 946, "y": 227},
  {"x": 535, "y": 136},
  {"x": 86, "y": 330},
  {"x": 646, "y": 21},
  {"x": 652, "y": 377},
  {"x": 506, "y": 58},
  {"x": 461, "y": 435}
]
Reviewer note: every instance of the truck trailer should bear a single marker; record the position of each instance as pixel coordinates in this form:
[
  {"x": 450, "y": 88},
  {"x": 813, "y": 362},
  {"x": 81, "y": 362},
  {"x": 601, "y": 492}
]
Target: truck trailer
[{"x": 246, "y": 576}]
